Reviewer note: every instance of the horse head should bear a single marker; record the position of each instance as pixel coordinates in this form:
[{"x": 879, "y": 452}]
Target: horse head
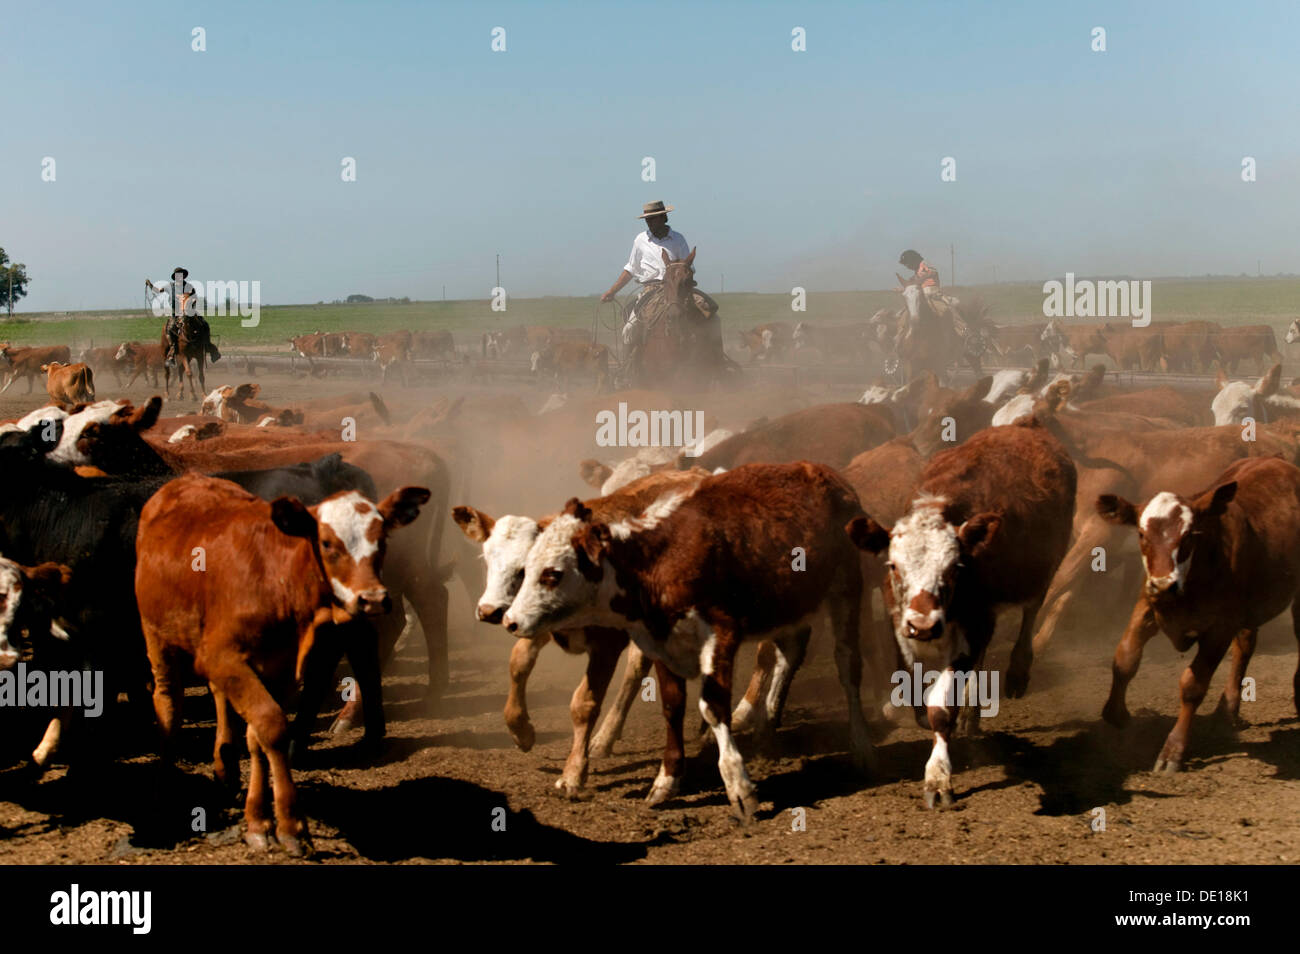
[{"x": 679, "y": 282}]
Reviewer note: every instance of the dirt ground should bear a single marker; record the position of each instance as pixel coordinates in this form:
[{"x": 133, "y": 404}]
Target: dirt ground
[{"x": 1028, "y": 786}]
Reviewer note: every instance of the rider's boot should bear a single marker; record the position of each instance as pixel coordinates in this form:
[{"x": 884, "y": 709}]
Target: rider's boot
[{"x": 213, "y": 354}]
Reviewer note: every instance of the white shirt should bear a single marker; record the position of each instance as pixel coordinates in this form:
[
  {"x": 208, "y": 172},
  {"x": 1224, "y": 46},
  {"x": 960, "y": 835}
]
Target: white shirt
[{"x": 646, "y": 263}]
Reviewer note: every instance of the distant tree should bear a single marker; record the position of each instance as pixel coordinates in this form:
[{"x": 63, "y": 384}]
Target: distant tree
[
  {"x": 13, "y": 282},
  {"x": 359, "y": 298}
]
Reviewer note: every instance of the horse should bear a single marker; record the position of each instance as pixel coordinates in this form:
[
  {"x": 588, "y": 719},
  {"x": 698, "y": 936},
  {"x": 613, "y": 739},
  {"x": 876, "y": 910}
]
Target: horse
[
  {"x": 679, "y": 337},
  {"x": 190, "y": 348},
  {"x": 936, "y": 342}
]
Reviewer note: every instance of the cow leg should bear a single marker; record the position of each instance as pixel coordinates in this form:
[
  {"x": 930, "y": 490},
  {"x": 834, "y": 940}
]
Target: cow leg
[
  {"x": 751, "y": 713},
  {"x": 1022, "y": 654},
  {"x": 1068, "y": 578},
  {"x": 1193, "y": 685},
  {"x": 1243, "y": 647},
  {"x": 9, "y": 379},
  {"x": 602, "y": 660},
  {"x": 225, "y": 757},
  {"x": 611, "y": 728},
  {"x": 942, "y": 716},
  {"x": 715, "y": 706},
  {"x": 1128, "y": 656},
  {"x": 268, "y": 735},
  {"x": 672, "y": 697},
  {"x": 846, "y": 619},
  {"x": 523, "y": 657},
  {"x": 49, "y": 742},
  {"x": 317, "y": 682},
  {"x": 790, "y": 653},
  {"x": 258, "y": 825},
  {"x": 361, "y": 644},
  {"x": 167, "y": 695}
]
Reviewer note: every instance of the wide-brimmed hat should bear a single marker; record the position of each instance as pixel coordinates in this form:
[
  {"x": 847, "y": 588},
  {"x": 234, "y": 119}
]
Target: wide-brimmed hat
[
  {"x": 185, "y": 272},
  {"x": 654, "y": 208}
]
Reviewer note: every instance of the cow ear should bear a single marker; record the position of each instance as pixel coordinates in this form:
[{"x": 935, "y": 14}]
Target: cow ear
[
  {"x": 475, "y": 524},
  {"x": 1057, "y": 395},
  {"x": 576, "y": 508},
  {"x": 403, "y": 505},
  {"x": 594, "y": 473},
  {"x": 591, "y": 543},
  {"x": 245, "y": 391},
  {"x": 1116, "y": 510},
  {"x": 1220, "y": 379},
  {"x": 1270, "y": 382},
  {"x": 292, "y": 518},
  {"x": 867, "y": 535},
  {"x": 146, "y": 416},
  {"x": 1223, "y": 495},
  {"x": 977, "y": 533}
]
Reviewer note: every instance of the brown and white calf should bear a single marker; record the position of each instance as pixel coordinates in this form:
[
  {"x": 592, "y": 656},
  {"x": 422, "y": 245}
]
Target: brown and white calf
[
  {"x": 139, "y": 358},
  {"x": 506, "y": 543},
  {"x": 1219, "y": 565},
  {"x": 273, "y": 575},
  {"x": 754, "y": 553},
  {"x": 986, "y": 531}
]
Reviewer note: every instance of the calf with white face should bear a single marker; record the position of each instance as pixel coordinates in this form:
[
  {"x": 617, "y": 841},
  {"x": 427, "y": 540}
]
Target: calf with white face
[
  {"x": 29, "y": 598},
  {"x": 1218, "y": 566}
]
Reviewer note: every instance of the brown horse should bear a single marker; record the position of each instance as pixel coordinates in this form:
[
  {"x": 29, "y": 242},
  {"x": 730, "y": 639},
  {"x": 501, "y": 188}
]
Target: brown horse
[
  {"x": 679, "y": 341},
  {"x": 936, "y": 342},
  {"x": 190, "y": 352}
]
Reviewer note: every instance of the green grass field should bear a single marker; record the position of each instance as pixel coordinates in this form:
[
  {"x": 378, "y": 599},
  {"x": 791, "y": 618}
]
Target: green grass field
[{"x": 1272, "y": 301}]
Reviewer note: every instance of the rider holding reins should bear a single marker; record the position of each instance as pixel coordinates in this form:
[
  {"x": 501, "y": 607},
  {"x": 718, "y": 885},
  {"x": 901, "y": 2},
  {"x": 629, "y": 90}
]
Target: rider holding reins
[
  {"x": 646, "y": 265},
  {"x": 184, "y": 302}
]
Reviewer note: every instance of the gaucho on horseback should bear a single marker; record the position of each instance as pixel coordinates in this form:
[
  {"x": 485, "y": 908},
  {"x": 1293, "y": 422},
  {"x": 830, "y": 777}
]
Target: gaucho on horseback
[
  {"x": 653, "y": 251},
  {"x": 934, "y": 329},
  {"x": 185, "y": 312}
]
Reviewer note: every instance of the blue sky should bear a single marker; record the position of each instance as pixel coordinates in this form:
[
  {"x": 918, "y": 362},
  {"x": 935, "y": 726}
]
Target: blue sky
[{"x": 812, "y": 168}]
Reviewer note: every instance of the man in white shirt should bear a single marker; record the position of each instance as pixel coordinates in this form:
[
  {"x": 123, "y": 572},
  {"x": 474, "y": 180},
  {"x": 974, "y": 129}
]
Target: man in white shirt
[{"x": 646, "y": 265}]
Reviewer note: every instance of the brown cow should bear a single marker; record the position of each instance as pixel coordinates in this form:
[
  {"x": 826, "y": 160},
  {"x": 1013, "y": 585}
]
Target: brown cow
[
  {"x": 273, "y": 574},
  {"x": 1130, "y": 348},
  {"x": 564, "y": 359},
  {"x": 768, "y": 342},
  {"x": 140, "y": 358},
  {"x": 100, "y": 360},
  {"x": 1244, "y": 343},
  {"x": 1190, "y": 345},
  {"x": 239, "y": 405},
  {"x": 69, "y": 383},
  {"x": 1219, "y": 565},
  {"x": 831, "y": 434},
  {"x": 1136, "y": 464},
  {"x": 698, "y": 573},
  {"x": 1077, "y": 341},
  {"x": 1021, "y": 345},
  {"x": 987, "y": 530},
  {"x": 393, "y": 355},
  {"x": 433, "y": 344},
  {"x": 28, "y": 362},
  {"x": 359, "y": 344}
]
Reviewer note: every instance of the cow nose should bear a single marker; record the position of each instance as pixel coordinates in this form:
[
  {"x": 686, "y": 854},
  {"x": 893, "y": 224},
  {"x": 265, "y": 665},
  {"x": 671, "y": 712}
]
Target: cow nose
[
  {"x": 489, "y": 613},
  {"x": 511, "y": 626},
  {"x": 374, "y": 602},
  {"x": 924, "y": 631}
]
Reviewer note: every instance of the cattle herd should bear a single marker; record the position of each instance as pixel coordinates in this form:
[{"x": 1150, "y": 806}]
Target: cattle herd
[{"x": 251, "y": 547}]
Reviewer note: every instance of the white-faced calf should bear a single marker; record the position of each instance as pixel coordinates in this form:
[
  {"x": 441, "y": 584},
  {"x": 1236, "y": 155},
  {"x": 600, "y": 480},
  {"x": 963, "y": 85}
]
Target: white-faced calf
[{"x": 1218, "y": 566}]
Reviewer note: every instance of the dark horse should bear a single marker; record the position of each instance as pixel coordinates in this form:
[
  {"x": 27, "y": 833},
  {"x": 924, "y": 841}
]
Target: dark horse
[
  {"x": 680, "y": 340},
  {"x": 191, "y": 351},
  {"x": 937, "y": 342}
]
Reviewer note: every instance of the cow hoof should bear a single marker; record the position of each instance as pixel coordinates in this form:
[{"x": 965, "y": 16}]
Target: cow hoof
[
  {"x": 340, "y": 726},
  {"x": 745, "y": 809},
  {"x": 938, "y": 799},
  {"x": 1017, "y": 682},
  {"x": 257, "y": 840},
  {"x": 524, "y": 736},
  {"x": 294, "y": 846},
  {"x": 663, "y": 789},
  {"x": 1116, "y": 714},
  {"x": 1167, "y": 766},
  {"x": 1229, "y": 716},
  {"x": 569, "y": 789}
]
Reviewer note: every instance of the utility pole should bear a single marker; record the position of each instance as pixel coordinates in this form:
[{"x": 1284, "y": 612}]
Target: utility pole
[
  {"x": 952, "y": 266},
  {"x": 724, "y": 283},
  {"x": 498, "y": 270},
  {"x": 11, "y": 294}
]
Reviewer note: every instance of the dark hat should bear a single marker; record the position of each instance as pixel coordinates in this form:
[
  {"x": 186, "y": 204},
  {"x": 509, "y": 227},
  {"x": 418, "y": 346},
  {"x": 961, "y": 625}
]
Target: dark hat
[
  {"x": 911, "y": 258},
  {"x": 185, "y": 272},
  {"x": 654, "y": 208}
]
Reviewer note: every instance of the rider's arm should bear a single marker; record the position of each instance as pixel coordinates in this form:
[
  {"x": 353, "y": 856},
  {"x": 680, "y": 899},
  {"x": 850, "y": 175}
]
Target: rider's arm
[{"x": 619, "y": 282}]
